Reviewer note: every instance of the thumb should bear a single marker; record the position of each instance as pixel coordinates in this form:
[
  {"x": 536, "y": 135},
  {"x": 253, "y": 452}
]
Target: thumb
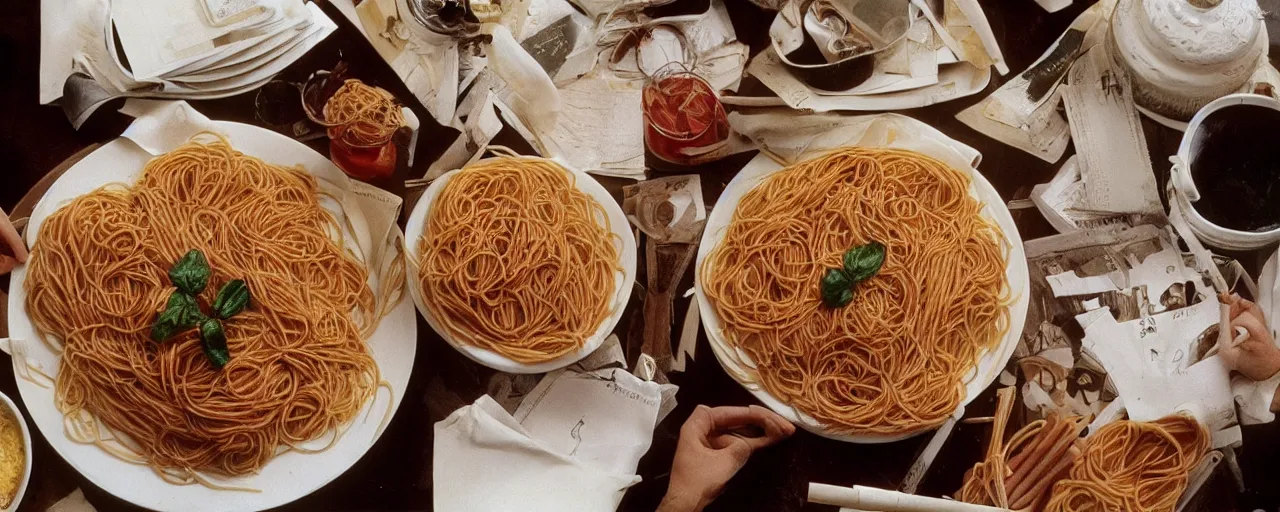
[
  {"x": 737, "y": 447},
  {"x": 7, "y": 263}
]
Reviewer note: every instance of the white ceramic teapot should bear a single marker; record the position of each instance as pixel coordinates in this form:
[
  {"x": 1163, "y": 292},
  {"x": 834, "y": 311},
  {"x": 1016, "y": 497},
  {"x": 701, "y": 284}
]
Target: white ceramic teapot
[{"x": 1181, "y": 54}]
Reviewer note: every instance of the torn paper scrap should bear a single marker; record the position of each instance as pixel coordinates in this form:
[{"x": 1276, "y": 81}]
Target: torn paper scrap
[
  {"x": 1114, "y": 163},
  {"x": 954, "y": 81},
  {"x": 1158, "y": 363},
  {"x": 669, "y": 209}
]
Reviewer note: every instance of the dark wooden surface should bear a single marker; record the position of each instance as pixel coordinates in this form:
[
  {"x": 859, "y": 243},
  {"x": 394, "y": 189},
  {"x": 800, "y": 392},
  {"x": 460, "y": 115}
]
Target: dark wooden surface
[{"x": 396, "y": 473}]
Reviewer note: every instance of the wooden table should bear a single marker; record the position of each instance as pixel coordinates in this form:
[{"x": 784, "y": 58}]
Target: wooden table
[{"x": 396, "y": 472}]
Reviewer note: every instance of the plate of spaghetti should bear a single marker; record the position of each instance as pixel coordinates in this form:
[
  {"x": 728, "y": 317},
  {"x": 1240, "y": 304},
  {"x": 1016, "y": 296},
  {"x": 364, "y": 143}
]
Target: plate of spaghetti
[
  {"x": 866, "y": 293},
  {"x": 206, "y": 329},
  {"x": 520, "y": 263}
]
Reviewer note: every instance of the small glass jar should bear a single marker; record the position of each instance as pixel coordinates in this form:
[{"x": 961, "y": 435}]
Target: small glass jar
[
  {"x": 360, "y": 157},
  {"x": 685, "y": 123}
]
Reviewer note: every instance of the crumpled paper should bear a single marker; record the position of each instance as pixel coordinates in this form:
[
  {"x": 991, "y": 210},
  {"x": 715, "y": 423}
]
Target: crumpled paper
[
  {"x": 485, "y": 460},
  {"x": 573, "y": 442}
]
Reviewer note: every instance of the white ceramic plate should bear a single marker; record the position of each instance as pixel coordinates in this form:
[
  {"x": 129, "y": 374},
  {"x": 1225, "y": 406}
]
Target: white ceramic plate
[
  {"x": 621, "y": 284},
  {"x": 5, "y": 402},
  {"x": 738, "y": 364},
  {"x": 288, "y": 476}
]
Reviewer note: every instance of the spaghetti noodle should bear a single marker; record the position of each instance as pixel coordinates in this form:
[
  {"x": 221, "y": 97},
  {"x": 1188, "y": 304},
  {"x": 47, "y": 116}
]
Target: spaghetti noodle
[
  {"x": 1133, "y": 466},
  {"x": 893, "y": 360},
  {"x": 365, "y": 115},
  {"x": 300, "y": 369},
  {"x": 516, "y": 260}
]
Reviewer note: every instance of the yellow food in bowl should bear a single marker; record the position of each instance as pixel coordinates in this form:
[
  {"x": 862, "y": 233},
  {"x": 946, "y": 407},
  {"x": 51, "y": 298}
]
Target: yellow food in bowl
[{"x": 12, "y": 456}]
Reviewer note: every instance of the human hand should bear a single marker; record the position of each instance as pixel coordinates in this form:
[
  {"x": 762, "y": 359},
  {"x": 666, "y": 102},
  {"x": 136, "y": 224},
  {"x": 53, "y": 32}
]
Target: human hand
[
  {"x": 712, "y": 449},
  {"x": 1257, "y": 357},
  {"x": 10, "y": 243}
]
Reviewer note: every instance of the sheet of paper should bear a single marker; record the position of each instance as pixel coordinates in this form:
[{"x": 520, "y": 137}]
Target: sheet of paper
[
  {"x": 721, "y": 59},
  {"x": 1053, "y": 5},
  {"x": 604, "y": 418},
  {"x": 1063, "y": 203},
  {"x": 77, "y": 25},
  {"x": 1069, "y": 283},
  {"x": 1023, "y": 112},
  {"x": 481, "y": 126},
  {"x": 533, "y": 96},
  {"x": 1114, "y": 163},
  {"x": 83, "y": 60},
  {"x": 484, "y": 459},
  {"x": 235, "y": 61},
  {"x": 237, "y": 43},
  {"x": 265, "y": 66},
  {"x": 159, "y": 35},
  {"x": 74, "y": 502},
  {"x": 967, "y": 24},
  {"x": 792, "y": 136},
  {"x": 954, "y": 81},
  {"x": 1158, "y": 366},
  {"x": 600, "y": 128}
]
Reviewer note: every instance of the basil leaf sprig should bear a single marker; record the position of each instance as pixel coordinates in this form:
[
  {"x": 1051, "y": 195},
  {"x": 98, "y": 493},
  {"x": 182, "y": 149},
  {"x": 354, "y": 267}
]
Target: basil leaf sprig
[
  {"x": 232, "y": 298},
  {"x": 860, "y": 263},
  {"x": 181, "y": 313},
  {"x": 215, "y": 342},
  {"x": 190, "y": 275}
]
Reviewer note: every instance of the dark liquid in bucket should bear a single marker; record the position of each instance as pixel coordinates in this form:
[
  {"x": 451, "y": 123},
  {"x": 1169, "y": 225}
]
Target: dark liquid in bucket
[{"x": 1237, "y": 169}]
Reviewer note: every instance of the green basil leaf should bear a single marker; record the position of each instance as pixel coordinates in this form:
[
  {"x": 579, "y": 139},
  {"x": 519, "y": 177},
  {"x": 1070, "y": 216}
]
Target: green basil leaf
[
  {"x": 214, "y": 342},
  {"x": 232, "y": 298},
  {"x": 864, "y": 261},
  {"x": 182, "y": 312},
  {"x": 162, "y": 330},
  {"x": 837, "y": 288},
  {"x": 191, "y": 273}
]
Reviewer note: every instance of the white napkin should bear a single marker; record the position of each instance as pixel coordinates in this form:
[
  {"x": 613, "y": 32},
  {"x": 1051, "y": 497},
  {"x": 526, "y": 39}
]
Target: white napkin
[
  {"x": 74, "y": 502},
  {"x": 484, "y": 460}
]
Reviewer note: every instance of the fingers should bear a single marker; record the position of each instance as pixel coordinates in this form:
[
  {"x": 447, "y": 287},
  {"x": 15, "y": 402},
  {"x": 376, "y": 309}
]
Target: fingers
[
  {"x": 715, "y": 423},
  {"x": 1240, "y": 305},
  {"x": 776, "y": 428},
  {"x": 1253, "y": 324},
  {"x": 699, "y": 424},
  {"x": 10, "y": 237},
  {"x": 729, "y": 418},
  {"x": 7, "y": 264},
  {"x": 740, "y": 448}
]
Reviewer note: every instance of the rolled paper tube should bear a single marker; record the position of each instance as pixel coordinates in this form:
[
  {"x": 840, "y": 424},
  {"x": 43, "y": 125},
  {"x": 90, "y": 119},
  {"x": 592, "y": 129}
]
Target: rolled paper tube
[{"x": 871, "y": 498}]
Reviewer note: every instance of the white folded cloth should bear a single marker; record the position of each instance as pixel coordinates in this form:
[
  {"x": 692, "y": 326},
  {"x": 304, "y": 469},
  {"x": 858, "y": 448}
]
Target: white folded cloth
[{"x": 485, "y": 461}]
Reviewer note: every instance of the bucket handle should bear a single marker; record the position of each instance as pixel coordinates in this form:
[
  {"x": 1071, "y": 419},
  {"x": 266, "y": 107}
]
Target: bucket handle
[{"x": 1180, "y": 175}]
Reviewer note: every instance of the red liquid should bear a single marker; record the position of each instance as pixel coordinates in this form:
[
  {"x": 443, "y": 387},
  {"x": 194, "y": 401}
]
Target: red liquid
[
  {"x": 362, "y": 163},
  {"x": 682, "y": 112}
]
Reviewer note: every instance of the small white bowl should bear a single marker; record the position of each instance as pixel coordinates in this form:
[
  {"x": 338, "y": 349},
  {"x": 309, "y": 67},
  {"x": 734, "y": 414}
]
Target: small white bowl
[
  {"x": 26, "y": 453},
  {"x": 622, "y": 282},
  {"x": 1180, "y": 175}
]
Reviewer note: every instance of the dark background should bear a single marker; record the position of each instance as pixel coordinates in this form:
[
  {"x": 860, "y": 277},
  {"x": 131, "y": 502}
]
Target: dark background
[{"x": 395, "y": 474}]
